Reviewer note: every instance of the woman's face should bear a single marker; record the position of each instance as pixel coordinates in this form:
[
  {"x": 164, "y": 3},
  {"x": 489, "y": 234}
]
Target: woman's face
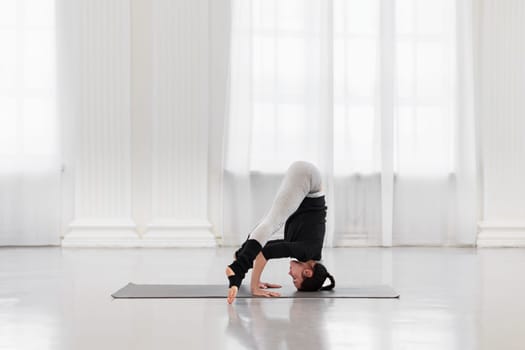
[{"x": 299, "y": 271}]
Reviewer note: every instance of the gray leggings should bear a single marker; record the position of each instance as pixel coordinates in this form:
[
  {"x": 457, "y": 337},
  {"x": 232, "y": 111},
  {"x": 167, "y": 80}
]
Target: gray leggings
[{"x": 302, "y": 180}]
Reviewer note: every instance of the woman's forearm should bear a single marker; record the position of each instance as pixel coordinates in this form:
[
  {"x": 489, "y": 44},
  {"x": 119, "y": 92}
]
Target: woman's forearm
[{"x": 258, "y": 267}]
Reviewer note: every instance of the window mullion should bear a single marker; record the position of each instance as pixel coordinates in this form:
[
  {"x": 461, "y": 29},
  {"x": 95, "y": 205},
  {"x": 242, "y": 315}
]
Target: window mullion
[{"x": 19, "y": 76}]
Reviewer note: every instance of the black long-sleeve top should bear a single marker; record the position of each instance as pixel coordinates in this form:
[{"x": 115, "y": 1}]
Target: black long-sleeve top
[{"x": 304, "y": 233}]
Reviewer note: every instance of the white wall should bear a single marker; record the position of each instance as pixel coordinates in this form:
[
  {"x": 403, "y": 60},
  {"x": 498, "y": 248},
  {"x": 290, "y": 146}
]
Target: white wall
[
  {"x": 501, "y": 102},
  {"x": 143, "y": 121},
  {"x": 137, "y": 165}
]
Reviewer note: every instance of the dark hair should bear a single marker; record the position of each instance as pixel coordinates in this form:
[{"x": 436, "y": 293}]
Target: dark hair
[{"x": 315, "y": 283}]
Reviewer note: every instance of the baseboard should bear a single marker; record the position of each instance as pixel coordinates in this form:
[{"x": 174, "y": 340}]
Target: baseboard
[
  {"x": 348, "y": 239},
  {"x": 501, "y": 234},
  {"x": 179, "y": 234},
  {"x": 99, "y": 233},
  {"x": 123, "y": 234}
]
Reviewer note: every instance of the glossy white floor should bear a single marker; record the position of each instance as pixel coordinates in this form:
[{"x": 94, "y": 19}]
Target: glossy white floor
[{"x": 53, "y": 298}]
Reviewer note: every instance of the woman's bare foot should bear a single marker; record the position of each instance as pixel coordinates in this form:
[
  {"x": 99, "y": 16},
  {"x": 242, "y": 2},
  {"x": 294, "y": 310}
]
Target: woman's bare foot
[{"x": 232, "y": 292}]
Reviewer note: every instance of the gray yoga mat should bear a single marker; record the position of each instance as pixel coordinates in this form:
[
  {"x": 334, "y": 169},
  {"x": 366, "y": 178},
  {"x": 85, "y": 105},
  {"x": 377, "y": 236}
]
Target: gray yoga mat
[{"x": 183, "y": 291}]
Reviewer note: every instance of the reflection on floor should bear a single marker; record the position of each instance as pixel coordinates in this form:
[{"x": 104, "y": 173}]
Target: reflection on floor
[{"x": 451, "y": 298}]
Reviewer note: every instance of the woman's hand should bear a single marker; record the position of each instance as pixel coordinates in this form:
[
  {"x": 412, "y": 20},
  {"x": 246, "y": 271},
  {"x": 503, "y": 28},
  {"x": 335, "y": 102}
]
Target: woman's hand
[
  {"x": 264, "y": 285},
  {"x": 260, "y": 292},
  {"x": 258, "y": 287},
  {"x": 263, "y": 293}
]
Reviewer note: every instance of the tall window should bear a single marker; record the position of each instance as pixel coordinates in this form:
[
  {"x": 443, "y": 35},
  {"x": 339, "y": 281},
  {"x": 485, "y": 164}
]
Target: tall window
[
  {"x": 357, "y": 42},
  {"x": 286, "y": 69},
  {"x": 283, "y": 40},
  {"x": 28, "y": 122},
  {"x": 426, "y": 86},
  {"x": 29, "y": 156}
]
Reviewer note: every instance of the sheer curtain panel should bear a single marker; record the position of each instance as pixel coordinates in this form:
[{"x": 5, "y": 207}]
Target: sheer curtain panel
[
  {"x": 29, "y": 156},
  {"x": 377, "y": 94}
]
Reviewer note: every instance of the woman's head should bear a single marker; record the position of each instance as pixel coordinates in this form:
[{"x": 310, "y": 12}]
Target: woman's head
[{"x": 310, "y": 276}]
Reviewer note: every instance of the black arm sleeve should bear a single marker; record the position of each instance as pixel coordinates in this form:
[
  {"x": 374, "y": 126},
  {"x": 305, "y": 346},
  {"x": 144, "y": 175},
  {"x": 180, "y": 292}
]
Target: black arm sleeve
[{"x": 280, "y": 248}]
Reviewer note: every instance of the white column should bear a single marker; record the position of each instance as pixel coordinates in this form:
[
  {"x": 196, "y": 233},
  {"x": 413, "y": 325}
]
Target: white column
[
  {"x": 98, "y": 83},
  {"x": 387, "y": 64},
  {"x": 180, "y": 125},
  {"x": 502, "y": 110}
]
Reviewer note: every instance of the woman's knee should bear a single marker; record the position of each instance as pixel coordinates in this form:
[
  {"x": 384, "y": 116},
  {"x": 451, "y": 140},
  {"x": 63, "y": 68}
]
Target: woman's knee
[{"x": 301, "y": 167}]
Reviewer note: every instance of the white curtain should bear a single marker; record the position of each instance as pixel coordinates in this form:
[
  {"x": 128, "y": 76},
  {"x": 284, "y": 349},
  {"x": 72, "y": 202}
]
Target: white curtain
[
  {"x": 378, "y": 94},
  {"x": 29, "y": 157}
]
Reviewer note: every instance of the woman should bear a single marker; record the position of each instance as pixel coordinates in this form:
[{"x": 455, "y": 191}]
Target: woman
[{"x": 300, "y": 205}]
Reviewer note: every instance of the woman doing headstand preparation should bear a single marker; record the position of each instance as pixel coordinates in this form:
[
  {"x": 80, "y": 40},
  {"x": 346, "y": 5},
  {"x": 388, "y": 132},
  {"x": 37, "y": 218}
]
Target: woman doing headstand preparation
[{"x": 300, "y": 206}]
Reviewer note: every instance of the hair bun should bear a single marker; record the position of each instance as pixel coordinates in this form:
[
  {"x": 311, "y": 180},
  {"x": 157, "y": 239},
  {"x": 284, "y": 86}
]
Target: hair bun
[
  {"x": 331, "y": 285},
  {"x": 315, "y": 283}
]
